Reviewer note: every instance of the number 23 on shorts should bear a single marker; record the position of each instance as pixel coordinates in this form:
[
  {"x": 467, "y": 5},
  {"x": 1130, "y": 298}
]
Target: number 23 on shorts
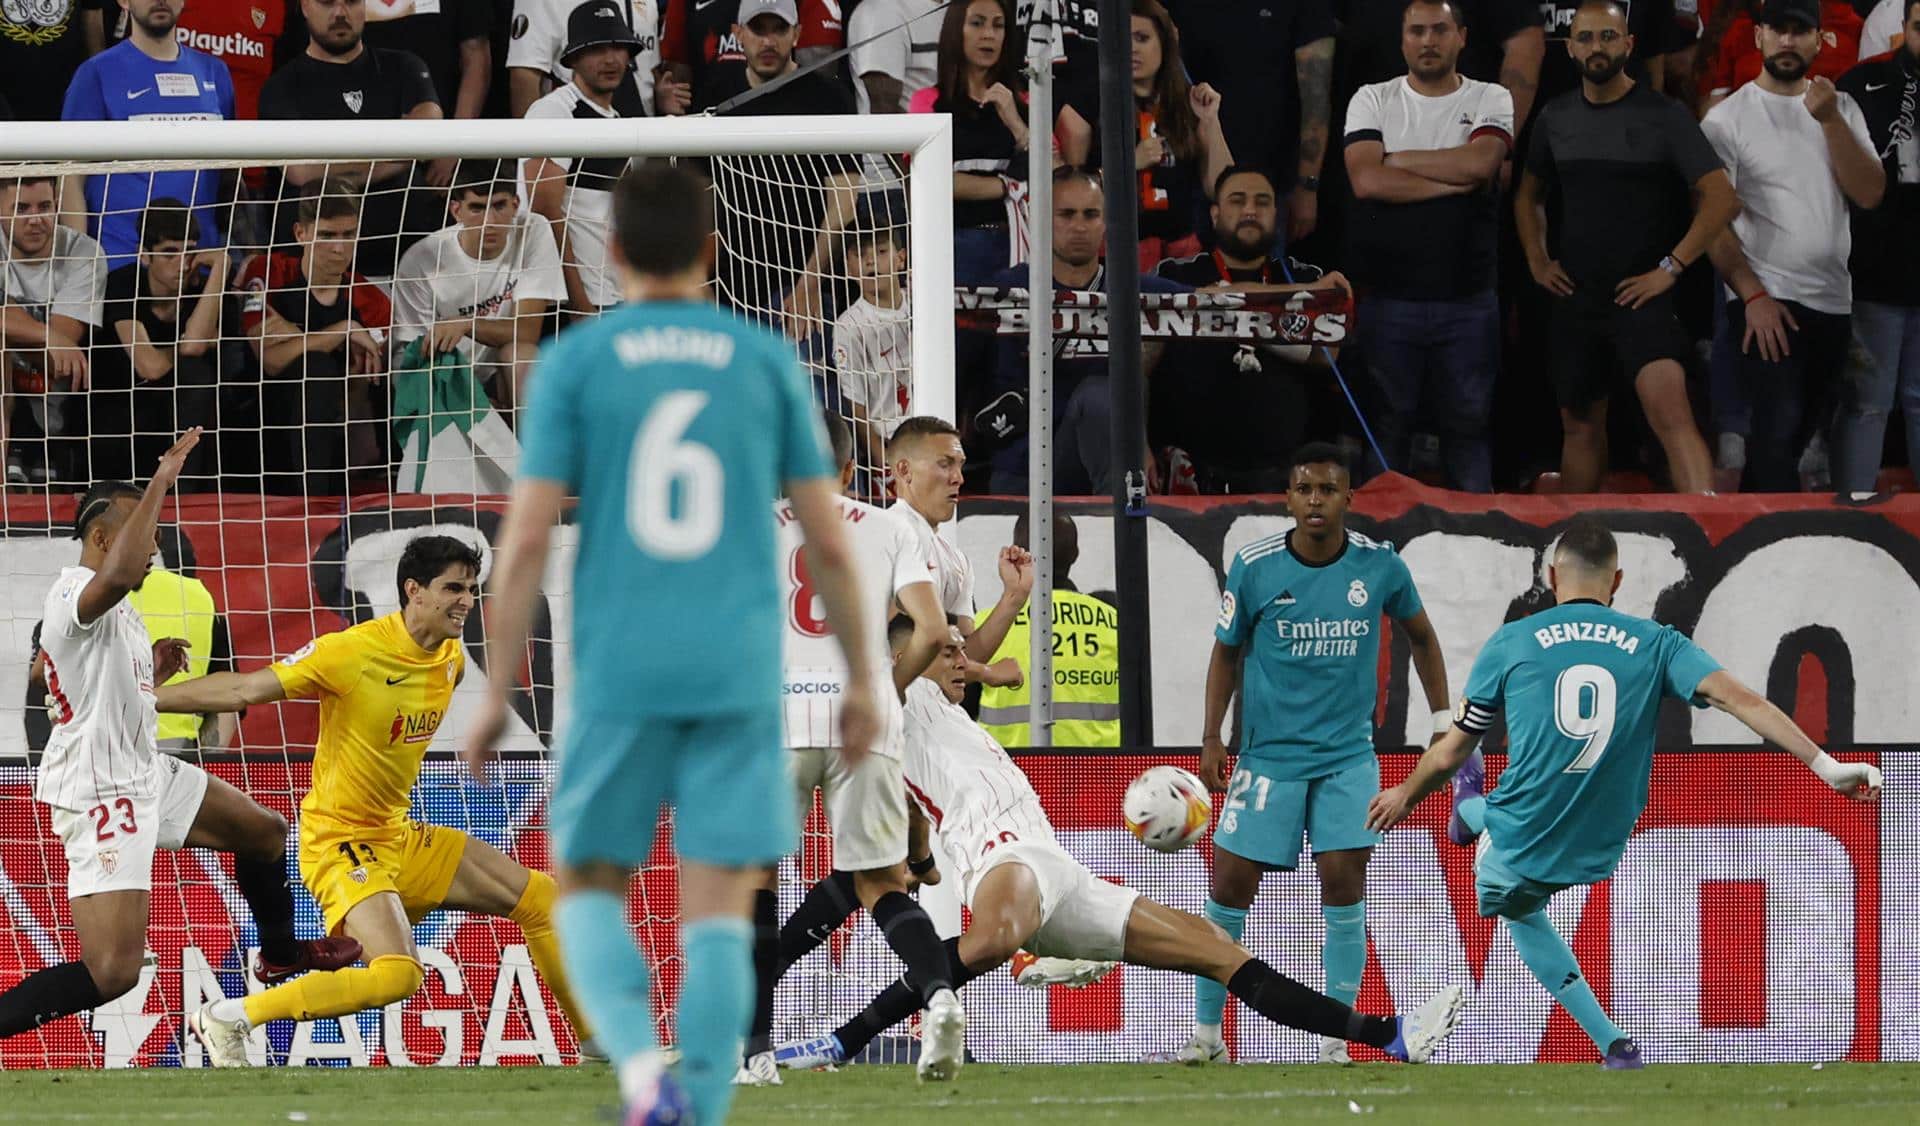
[{"x": 1244, "y": 780}]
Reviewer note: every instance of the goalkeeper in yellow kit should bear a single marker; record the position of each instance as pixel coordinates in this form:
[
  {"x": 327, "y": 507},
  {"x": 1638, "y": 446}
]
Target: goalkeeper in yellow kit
[{"x": 384, "y": 688}]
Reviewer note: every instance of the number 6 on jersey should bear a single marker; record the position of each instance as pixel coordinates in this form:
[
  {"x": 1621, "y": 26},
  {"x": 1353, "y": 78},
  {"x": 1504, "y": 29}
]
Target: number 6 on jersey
[{"x": 665, "y": 467}]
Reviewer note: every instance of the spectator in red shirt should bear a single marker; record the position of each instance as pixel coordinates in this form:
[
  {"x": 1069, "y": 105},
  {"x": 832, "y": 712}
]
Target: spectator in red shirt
[
  {"x": 312, "y": 320},
  {"x": 1737, "y": 59},
  {"x": 251, "y": 38}
]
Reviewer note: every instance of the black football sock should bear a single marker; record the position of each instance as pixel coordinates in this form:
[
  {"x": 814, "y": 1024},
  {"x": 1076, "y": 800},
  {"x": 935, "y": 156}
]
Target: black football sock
[
  {"x": 896, "y": 1003},
  {"x": 1283, "y": 1000},
  {"x": 908, "y": 930},
  {"x": 828, "y": 904},
  {"x": 263, "y": 884},
  {"x": 54, "y": 992},
  {"x": 766, "y": 969}
]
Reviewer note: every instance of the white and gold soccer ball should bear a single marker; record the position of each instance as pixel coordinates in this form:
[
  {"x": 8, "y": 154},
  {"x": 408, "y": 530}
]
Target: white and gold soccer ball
[{"x": 1167, "y": 808}]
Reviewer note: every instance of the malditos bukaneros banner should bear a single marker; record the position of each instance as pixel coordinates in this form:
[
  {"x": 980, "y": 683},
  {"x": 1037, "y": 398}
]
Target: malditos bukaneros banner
[{"x": 1755, "y": 916}]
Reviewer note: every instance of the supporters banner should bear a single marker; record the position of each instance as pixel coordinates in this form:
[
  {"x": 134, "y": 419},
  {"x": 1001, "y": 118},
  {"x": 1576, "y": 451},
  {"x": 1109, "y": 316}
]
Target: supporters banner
[
  {"x": 1754, "y": 916},
  {"x": 1316, "y": 316}
]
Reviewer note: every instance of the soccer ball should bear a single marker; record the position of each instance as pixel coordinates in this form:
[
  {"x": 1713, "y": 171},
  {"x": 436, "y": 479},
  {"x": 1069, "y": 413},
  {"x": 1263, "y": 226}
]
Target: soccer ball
[{"x": 1167, "y": 808}]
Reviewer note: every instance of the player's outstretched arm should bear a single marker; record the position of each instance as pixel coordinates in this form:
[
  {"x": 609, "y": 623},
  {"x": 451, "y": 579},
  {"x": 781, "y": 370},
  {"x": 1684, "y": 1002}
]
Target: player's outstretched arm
[
  {"x": 1016, "y": 584},
  {"x": 1430, "y": 664},
  {"x": 1389, "y": 807},
  {"x": 519, "y": 561},
  {"x": 830, "y": 561},
  {"x": 126, "y": 562},
  {"x": 220, "y": 692},
  {"x": 919, "y": 602},
  {"x": 1858, "y": 780},
  {"x": 920, "y": 863},
  {"x": 1223, "y": 676}
]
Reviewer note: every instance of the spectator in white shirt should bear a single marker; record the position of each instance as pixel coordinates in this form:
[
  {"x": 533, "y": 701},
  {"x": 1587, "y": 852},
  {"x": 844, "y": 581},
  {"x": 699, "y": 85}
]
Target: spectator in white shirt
[
  {"x": 535, "y": 66},
  {"x": 1884, "y": 29},
  {"x": 483, "y": 286},
  {"x": 903, "y": 60},
  {"x": 1798, "y": 152},
  {"x": 53, "y": 285},
  {"x": 1423, "y": 154},
  {"x": 576, "y": 195},
  {"x": 872, "y": 343}
]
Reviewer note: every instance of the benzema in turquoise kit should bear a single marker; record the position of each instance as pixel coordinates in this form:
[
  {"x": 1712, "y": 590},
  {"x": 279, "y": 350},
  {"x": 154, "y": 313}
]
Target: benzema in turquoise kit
[
  {"x": 1581, "y": 686},
  {"x": 1306, "y": 607}
]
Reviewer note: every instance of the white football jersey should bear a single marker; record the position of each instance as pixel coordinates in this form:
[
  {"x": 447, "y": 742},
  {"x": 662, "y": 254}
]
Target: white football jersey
[
  {"x": 955, "y": 584},
  {"x": 872, "y": 350},
  {"x": 889, "y": 560},
  {"x": 438, "y": 280},
  {"x": 969, "y": 788},
  {"x": 100, "y": 676}
]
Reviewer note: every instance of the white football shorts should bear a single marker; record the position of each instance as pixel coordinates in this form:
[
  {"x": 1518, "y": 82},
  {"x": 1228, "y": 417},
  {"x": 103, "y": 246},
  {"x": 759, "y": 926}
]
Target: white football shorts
[
  {"x": 110, "y": 844},
  {"x": 1081, "y": 915},
  {"x": 866, "y": 806}
]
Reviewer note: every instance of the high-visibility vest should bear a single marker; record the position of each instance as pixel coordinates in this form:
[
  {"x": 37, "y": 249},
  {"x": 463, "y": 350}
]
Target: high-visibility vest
[
  {"x": 1086, "y": 677},
  {"x": 176, "y": 606}
]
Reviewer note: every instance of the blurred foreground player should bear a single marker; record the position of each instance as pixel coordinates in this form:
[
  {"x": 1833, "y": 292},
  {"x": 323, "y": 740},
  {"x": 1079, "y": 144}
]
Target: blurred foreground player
[
  {"x": 1581, "y": 685},
  {"x": 676, "y": 424},
  {"x": 1025, "y": 891},
  {"x": 114, "y": 797},
  {"x": 384, "y": 686}
]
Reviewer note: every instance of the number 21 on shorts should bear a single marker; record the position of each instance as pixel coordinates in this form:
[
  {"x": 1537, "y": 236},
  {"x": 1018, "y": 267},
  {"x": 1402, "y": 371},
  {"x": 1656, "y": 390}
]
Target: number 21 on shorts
[{"x": 1244, "y": 780}]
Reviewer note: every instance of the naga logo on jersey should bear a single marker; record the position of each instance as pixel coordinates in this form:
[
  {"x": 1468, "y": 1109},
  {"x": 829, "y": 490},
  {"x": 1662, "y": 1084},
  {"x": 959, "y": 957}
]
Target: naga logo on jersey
[
  {"x": 1356, "y": 593},
  {"x": 298, "y": 655},
  {"x": 416, "y": 728}
]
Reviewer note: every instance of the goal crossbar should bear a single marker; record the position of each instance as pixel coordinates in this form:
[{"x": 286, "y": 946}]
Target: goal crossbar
[{"x": 926, "y": 139}]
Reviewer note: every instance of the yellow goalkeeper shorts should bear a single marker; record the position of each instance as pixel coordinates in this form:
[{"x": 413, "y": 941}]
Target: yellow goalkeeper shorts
[{"x": 342, "y": 866}]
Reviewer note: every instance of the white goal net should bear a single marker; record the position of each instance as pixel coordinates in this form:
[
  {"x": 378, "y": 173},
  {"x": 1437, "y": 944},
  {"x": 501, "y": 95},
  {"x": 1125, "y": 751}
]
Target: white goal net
[{"x": 352, "y": 315}]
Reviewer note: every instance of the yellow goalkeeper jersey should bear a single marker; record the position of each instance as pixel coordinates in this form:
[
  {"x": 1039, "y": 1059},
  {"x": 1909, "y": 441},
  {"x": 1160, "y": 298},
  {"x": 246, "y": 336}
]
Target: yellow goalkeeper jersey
[{"x": 381, "y": 699}]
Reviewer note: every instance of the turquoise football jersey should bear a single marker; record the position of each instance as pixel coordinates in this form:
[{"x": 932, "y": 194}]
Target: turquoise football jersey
[
  {"x": 1312, "y": 639},
  {"x": 1581, "y": 686},
  {"x": 676, "y": 424}
]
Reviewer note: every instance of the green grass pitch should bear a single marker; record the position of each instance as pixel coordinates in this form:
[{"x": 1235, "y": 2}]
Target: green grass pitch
[{"x": 1849, "y": 1094}]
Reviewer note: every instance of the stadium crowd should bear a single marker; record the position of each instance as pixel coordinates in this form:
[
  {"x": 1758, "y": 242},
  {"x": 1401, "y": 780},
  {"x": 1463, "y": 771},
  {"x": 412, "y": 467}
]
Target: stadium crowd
[{"x": 1538, "y": 206}]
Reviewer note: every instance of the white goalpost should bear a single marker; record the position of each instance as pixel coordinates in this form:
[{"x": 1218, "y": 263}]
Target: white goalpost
[{"x": 282, "y": 565}]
